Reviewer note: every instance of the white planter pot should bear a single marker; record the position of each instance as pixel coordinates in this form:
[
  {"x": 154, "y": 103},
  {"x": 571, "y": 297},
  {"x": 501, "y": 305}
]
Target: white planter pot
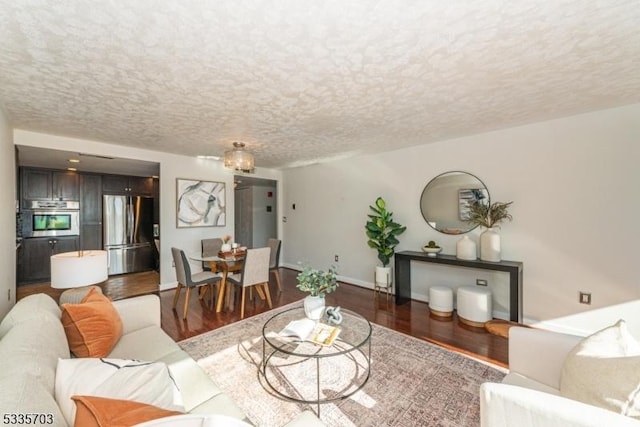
[
  {"x": 314, "y": 307},
  {"x": 490, "y": 246},
  {"x": 383, "y": 276},
  {"x": 226, "y": 247}
]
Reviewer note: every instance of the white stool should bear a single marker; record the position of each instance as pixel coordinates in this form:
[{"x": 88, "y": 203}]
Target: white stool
[
  {"x": 441, "y": 301},
  {"x": 474, "y": 305}
]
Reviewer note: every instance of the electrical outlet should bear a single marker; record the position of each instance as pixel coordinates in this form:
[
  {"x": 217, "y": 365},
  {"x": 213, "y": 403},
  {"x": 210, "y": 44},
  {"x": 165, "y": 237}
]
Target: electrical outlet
[
  {"x": 585, "y": 297},
  {"x": 336, "y": 258},
  {"x": 481, "y": 282}
]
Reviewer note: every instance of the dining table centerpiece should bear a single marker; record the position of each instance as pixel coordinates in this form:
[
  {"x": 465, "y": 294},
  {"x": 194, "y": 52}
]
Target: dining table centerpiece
[
  {"x": 317, "y": 283},
  {"x": 226, "y": 243}
]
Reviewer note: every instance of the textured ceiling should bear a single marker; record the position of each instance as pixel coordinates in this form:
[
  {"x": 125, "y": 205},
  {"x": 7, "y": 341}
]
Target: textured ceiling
[{"x": 304, "y": 81}]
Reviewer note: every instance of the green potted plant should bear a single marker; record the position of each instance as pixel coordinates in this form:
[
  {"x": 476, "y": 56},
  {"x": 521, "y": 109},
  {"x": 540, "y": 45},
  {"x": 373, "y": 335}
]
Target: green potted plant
[
  {"x": 489, "y": 216},
  {"x": 383, "y": 233},
  {"x": 317, "y": 283}
]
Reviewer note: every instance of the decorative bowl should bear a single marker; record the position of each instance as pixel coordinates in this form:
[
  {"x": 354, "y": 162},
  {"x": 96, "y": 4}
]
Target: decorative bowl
[{"x": 431, "y": 251}]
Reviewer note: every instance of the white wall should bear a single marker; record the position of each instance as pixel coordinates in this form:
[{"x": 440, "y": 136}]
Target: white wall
[
  {"x": 264, "y": 223},
  {"x": 574, "y": 183},
  {"x": 7, "y": 217},
  {"x": 171, "y": 167}
]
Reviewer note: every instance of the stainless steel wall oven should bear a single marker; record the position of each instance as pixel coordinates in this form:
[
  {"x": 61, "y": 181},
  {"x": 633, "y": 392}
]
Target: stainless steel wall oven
[{"x": 51, "y": 218}]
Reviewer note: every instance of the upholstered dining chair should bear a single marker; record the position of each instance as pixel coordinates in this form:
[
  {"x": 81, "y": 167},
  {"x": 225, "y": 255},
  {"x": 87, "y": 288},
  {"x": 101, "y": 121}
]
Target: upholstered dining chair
[
  {"x": 210, "y": 247},
  {"x": 188, "y": 280},
  {"x": 274, "y": 261},
  {"x": 255, "y": 272}
]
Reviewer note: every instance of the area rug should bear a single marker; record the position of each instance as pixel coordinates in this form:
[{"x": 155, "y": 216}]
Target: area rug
[{"x": 412, "y": 382}]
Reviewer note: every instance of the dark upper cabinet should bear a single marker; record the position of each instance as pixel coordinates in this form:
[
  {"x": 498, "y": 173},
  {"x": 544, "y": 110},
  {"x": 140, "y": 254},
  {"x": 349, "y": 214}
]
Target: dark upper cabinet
[
  {"x": 43, "y": 184},
  {"x": 35, "y": 256},
  {"x": 65, "y": 185},
  {"x": 127, "y": 185}
]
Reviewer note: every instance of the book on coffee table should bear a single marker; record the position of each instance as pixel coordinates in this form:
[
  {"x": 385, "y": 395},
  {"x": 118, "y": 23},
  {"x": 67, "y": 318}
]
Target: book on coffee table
[{"x": 310, "y": 330}]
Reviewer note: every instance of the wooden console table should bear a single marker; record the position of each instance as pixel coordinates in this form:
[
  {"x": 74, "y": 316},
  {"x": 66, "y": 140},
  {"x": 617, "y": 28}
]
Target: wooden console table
[{"x": 514, "y": 268}]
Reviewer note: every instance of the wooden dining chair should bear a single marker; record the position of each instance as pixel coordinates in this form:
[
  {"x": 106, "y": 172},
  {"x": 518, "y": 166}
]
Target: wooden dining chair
[
  {"x": 255, "y": 272},
  {"x": 188, "y": 280},
  {"x": 274, "y": 260}
]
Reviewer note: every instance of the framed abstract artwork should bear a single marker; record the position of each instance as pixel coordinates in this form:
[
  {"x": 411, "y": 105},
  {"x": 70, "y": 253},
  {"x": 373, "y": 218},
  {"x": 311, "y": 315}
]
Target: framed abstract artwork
[{"x": 200, "y": 203}]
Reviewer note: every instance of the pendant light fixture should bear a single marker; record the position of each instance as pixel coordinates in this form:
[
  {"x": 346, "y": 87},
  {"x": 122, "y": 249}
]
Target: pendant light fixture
[{"x": 239, "y": 159}]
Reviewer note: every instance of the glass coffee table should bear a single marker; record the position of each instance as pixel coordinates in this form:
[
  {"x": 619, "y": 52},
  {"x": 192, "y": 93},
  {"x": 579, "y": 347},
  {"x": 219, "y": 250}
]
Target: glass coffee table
[{"x": 305, "y": 372}]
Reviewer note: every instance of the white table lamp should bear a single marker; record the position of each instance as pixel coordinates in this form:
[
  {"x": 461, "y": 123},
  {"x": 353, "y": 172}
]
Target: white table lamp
[{"x": 78, "y": 269}]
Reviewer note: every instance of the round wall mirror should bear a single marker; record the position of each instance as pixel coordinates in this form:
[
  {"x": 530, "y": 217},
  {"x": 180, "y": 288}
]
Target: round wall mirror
[{"x": 446, "y": 199}]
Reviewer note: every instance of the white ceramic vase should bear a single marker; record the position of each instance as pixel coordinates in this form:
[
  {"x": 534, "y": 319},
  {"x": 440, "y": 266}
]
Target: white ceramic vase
[
  {"x": 226, "y": 247},
  {"x": 314, "y": 307},
  {"x": 490, "y": 246},
  {"x": 466, "y": 249}
]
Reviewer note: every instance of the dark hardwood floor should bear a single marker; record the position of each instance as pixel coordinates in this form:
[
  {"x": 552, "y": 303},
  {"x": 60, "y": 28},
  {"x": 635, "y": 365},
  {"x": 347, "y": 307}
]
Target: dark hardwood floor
[{"x": 412, "y": 318}]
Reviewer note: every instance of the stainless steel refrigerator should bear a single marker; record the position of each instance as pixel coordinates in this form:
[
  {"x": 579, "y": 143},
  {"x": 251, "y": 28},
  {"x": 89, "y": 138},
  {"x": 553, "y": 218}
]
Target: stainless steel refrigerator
[{"x": 128, "y": 233}]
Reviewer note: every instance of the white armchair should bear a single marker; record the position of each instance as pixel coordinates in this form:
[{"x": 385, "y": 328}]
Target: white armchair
[{"x": 529, "y": 394}]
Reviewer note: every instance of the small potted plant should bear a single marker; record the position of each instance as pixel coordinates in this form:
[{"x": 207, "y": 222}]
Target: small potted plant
[
  {"x": 383, "y": 233},
  {"x": 489, "y": 216},
  {"x": 317, "y": 283}
]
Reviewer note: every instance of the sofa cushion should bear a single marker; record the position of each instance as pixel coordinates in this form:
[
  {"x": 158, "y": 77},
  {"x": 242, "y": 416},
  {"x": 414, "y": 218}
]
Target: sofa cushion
[
  {"x": 93, "y": 327},
  {"x": 150, "y": 343},
  {"x": 34, "y": 306},
  {"x": 604, "y": 370},
  {"x": 145, "y": 382},
  {"x": 92, "y": 411}
]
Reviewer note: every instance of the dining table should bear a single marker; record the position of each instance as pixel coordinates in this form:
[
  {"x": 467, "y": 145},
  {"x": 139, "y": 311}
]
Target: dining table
[{"x": 231, "y": 263}]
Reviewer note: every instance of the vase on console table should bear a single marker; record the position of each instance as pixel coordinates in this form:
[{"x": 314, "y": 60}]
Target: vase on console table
[
  {"x": 490, "y": 246},
  {"x": 466, "y": 249},
  {"x": 226, "y": 247}
]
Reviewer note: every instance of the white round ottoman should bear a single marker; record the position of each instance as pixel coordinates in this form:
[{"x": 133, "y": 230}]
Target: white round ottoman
[
  {"x": 474, "y": 305},
  {"x": 441, "y": 301}
]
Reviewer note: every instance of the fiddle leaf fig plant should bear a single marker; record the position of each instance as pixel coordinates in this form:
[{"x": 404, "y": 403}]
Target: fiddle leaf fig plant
[
  {"x": 489, "y": 215},
  {"x": 383, "y": 231}
]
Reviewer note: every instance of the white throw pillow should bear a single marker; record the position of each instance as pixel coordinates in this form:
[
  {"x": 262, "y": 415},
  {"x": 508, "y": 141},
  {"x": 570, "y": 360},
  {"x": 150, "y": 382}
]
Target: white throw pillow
[
  {"x": 146, "y": 382},
  {"x": 604, "y": 370}
]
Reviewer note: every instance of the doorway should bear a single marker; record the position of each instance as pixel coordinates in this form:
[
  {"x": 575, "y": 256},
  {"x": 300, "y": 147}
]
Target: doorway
[{"x": 255, "y": 210}]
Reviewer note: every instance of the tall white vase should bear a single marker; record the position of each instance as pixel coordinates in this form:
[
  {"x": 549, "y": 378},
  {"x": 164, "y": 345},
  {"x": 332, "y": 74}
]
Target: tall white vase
[
  {"x": 314, "y": 307},
  {"x": 490, "y": 246}
]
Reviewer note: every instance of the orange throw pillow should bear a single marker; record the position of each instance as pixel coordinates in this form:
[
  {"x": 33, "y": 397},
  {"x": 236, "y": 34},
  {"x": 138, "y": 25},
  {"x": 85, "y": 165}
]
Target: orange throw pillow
[
  {"x": 93, "y": 327},
  {"x": 93, "y": 411}
]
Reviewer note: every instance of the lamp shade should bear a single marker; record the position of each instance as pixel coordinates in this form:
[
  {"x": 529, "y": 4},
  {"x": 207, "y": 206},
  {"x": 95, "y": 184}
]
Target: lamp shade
[
  {"x": 239, "y": 159},
  {"x": 76, "y": 269}
]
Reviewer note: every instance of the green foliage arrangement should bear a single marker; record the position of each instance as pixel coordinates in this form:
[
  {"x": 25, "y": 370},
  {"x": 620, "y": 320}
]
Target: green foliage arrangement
[
  {"x": 383, "y": 231},
  {"x": 317, "y": 282},
  {"x": 489, "y": 215}
]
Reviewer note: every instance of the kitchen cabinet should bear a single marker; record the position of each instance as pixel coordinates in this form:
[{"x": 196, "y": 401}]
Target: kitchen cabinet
[
  {"x": 91, "y": 211},
  {"x": 44, "y": 184},
  {"x": 35, "y": 256},
  {"x": 127, "y": 185}
]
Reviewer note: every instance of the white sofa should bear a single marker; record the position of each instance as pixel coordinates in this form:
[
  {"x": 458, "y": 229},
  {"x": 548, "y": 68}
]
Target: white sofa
[
  {"x": 530, "y": 393},
  {"x": 32, "y": 339}
]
